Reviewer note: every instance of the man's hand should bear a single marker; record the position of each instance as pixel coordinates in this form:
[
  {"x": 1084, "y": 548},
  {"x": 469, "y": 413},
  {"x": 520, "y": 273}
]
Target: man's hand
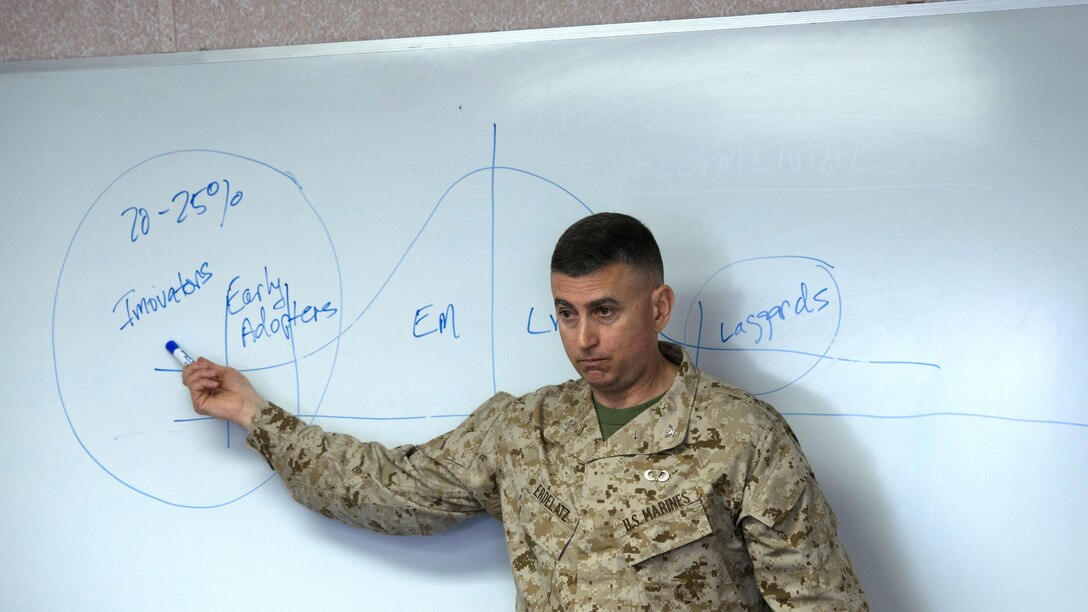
[{"x": 221, "y": 392}]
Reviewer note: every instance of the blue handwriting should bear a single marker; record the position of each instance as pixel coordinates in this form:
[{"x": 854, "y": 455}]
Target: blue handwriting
[
  {"x": 146, "y": 305},
  {"x": 446, "y": 318},
  {"x": 238, "y": 300},
  {"x": 801, "y": 306},
  {"x": 529, "y": 324},
  {"x": 184, "y": 204},
  {"x": 273, "y": 311}
]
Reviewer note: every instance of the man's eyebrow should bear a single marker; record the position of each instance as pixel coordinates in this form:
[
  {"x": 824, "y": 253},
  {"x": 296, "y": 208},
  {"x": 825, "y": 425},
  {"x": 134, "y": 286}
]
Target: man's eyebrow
[{"x": 605, "y": 301}]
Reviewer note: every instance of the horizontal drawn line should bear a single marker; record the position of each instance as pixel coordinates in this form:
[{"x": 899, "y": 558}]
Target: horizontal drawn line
[
  {"x": 917, "y": 363},
  {"x": 848, "y": 415},
  {"x": 245, "y": 370},
  {"x": 348, "y": 417},
  {"x": 802, "y": 353},
  {"x": 816, "y": 189},
  {"x": 926, "y": 415},
  {"x": 357, "y": 418},
  {"x": 143, "y": 433}
]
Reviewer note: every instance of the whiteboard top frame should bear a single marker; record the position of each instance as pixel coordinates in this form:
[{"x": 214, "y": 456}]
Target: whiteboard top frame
[{"x": 533, "y": 35}]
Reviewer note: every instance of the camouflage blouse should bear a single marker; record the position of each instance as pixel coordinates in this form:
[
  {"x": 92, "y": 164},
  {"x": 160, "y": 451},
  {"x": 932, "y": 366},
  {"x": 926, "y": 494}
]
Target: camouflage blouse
[{"x": 703, "y": 502}]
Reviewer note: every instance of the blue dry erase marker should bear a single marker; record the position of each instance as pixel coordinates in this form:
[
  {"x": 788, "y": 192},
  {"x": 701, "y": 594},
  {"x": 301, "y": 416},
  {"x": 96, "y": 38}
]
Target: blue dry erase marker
[{"x": 179, "y": 353}]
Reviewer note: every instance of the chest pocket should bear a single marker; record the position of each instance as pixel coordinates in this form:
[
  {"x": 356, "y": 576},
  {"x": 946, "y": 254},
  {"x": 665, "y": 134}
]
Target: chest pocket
[
  {"x": 665, "y": 533},
  {"x": 676, "y": 561},
  {"x": 548, "y": 524}
]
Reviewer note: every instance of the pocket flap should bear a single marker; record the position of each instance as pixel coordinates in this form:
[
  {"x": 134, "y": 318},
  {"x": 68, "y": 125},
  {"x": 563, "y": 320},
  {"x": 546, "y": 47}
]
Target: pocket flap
[
  {"x": 548, "y": 523},
  {"x": 667, "y": 532}
]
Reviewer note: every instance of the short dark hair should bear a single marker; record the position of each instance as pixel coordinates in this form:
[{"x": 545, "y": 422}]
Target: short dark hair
[{"x": 602, "y": 239}]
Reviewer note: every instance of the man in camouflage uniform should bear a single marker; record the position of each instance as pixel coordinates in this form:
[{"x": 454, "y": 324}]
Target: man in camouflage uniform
[{"x": 644, "y": 485}]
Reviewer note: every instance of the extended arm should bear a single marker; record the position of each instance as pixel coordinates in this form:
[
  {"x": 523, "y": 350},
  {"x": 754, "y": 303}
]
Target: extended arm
[
  {"x": 412, "y": 490},
  {"x": 404, "y": 490}
]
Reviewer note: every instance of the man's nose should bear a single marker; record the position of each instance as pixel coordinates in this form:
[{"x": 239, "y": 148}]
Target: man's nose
[{"x": 587, "y": 335}]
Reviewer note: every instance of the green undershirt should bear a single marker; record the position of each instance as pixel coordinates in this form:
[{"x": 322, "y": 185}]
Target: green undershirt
[{"x": 612, "y": 419}]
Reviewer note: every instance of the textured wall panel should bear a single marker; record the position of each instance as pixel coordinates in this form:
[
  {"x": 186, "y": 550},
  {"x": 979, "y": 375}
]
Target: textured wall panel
[
  {"x": 94, "y": 28},
  {"x": 89, "y": 28}
]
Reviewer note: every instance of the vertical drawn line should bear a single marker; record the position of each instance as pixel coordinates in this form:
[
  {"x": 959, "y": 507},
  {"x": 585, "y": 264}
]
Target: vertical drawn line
[
  {"x": 699, "y": 338},
  {"x": 286, "y": 294},
  {"x": 226, "y": 331},
  {"x": 298, "y": 377},
  {"x": 494, "y": 144},
  {"x": 340, "y": 318},
  {"x": 226, "y": 350}
]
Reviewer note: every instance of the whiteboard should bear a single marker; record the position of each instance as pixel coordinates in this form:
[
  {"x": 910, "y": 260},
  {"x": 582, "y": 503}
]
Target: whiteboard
[{"x": 873, "y": 219}]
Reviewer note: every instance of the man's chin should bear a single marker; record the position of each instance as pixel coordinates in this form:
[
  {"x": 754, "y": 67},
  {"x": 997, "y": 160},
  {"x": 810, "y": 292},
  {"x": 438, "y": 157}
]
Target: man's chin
[{"x": 597, "y": 379}]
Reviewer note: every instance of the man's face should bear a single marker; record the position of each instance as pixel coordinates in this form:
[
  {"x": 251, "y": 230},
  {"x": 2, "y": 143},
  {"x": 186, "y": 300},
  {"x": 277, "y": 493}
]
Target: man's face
[{"x": 609, "y": 321}]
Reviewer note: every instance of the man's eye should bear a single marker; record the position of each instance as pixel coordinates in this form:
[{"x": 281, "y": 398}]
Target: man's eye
[{"x": 605, "y": 311}]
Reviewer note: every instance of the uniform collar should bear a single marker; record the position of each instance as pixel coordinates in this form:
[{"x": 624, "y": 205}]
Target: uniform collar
[{"x": 661, "y": 427}]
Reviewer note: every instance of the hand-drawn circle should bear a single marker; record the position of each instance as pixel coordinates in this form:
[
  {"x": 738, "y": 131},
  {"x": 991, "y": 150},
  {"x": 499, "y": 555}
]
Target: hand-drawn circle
[
  {"x": 105, "y": 358},
  {"x": 806, "y": 358}
]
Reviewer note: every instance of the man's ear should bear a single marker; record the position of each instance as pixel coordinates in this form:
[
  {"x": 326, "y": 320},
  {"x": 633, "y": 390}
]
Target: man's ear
[{"x": 662, "y": 298}]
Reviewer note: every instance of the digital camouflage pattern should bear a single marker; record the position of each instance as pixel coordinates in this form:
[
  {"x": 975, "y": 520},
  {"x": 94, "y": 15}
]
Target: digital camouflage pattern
[{"x": 703, "y": 502}]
